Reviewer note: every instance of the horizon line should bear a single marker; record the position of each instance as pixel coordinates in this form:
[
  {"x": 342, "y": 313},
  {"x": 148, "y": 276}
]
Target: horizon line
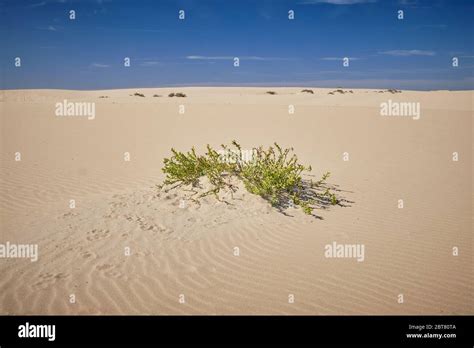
[{"x": 234, "y": 86}]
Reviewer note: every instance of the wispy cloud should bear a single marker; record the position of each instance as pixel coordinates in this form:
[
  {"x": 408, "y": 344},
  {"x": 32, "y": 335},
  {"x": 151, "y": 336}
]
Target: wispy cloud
[
  {"x": 209, "y": 57},
  {"x": 339, "y": 58},
  {"x": 99, "y": 65},
  {"x": 336, "y": 2},
  {"x": 146, "y": 30},
  {"x": 38, "y": 4},
  {"x": 408, "y": 2},
  {"x": 232, "y": 57},
  {"x": 150, "y": 63},
  {"x": 407, "y": 53},
  {"x": 49, "y": 28},
  {"x": 265, "y": 15},
  {"x": 265, "y": 58},
  {"x": 416, "y": 4}
]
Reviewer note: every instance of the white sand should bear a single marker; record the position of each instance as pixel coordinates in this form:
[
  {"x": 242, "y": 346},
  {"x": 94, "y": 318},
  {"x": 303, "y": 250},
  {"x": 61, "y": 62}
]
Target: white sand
[{"x": 190, "y": 250}]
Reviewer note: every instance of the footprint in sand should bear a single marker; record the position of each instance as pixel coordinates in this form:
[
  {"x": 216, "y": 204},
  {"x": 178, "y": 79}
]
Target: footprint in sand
[
  {"x": 48, "y": 279},
  {"x": 119, "y": 204},
  {"x": 86, "y": 254},
  {"x": 171, "y": 196},
  {"x": 96, "y": 235},
  {"x": 68, "y": 215},
  {"x": 104, "y": 266},
  {"x": 109, "y": 270},
  {"x": 114, "y": 273},
  {"x": 142, "y": 222}
]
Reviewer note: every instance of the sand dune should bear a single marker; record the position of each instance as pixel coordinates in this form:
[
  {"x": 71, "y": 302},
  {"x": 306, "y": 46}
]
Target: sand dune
[{"x": 190, "y": 250}]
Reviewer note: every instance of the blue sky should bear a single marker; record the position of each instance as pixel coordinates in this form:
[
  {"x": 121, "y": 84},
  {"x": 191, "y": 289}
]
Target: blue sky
[{"x": 384, "y": 52}]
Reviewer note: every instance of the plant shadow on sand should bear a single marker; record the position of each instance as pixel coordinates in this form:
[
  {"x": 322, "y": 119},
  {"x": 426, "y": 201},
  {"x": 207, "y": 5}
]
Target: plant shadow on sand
[
  {"x": 275, "y": 174},
  {"x": 320, "y": 201}
]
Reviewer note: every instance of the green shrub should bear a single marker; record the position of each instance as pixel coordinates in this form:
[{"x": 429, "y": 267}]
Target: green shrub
[{"x": 274, "y": 174}]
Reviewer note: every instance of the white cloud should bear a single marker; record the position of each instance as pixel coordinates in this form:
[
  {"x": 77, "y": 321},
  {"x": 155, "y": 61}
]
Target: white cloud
[
  {"x": 39, "y": 4},
  {"x": 99, "y": 65},
  {"x": 49, "y": 28},
  {"x": 208, "y": 57},
  {"x": 150, "y": 63},
  {"x": 240, "y": 57},
  {"x": 264, "y": 58},
  {"x": 145, "y": 30},
  {"x": 339, "y": 58},
  {"x": 406, "y": 53}
]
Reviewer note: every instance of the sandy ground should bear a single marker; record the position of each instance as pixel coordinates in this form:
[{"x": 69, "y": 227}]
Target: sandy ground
[{"x": 187, "y": 253}]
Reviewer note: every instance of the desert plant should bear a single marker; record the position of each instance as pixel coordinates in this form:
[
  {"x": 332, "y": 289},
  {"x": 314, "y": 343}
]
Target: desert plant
[
  {"x": 307, "y": 91},
  {"x": 179, "y": 94},
  {"x": 341, "y": 91},
  {"x": 271, "y": 92},
  {"x": 156, "y": 95},
  {"x": 393, "y": 91},
  {"x": 139, "y": 95},
  {"x": 273, "y": 173}
]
